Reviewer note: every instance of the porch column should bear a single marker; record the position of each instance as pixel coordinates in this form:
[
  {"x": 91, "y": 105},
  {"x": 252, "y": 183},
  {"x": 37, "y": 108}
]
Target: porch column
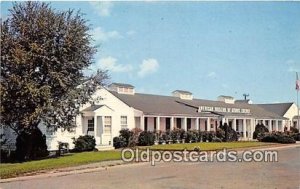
[
  {"x": 95, "y": 126},
  {"x": 172, "y": 123},
  {"x": 185, "y": 123},
  {"x": 158, "y": 123},
  {"x": 252, "y": 128},
  {"x": 270, "y": 125},
  {"x": 234, "y": 124},
  {"x": 264, "y": 122},
  {"x": 276, "y": 125},
  {"x": 142, "y": 123},
  {"x": 197, "y": 124},
  {"x": 244, "y": 128},
  {"x": 282, "y": 125},
  {"x": 208, "y": 124}
]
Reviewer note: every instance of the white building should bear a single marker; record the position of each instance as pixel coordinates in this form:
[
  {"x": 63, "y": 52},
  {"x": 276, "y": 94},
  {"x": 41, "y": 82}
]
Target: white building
[{"x": 120, "y": 107}]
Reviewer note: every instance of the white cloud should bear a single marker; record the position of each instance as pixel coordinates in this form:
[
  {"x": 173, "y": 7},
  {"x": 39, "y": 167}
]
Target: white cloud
[
  {"x": 148, "y": 66},
  {"x": 99, "y": 34},
  {"x": 212, "y": 75},
  {"x": 102, "y": 8},
  {"x": 110, "y": 63}
]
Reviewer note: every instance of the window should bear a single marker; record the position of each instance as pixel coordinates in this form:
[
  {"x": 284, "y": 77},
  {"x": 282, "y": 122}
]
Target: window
[
  {"x": 123, "y": 122},
  {"x": 107, "y": 124},
  {"x": 90, "y": 125}
]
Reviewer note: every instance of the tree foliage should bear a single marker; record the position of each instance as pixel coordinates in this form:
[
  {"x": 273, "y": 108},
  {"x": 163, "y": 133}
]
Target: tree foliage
[{"x": 43, "y": 55}]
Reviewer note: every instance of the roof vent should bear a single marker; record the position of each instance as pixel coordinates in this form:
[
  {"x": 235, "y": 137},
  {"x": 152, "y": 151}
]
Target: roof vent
[
  {"x": 122, "y": 88},
  {"x": 226, "y": 99},
  {"x": 185, "y": 95}
]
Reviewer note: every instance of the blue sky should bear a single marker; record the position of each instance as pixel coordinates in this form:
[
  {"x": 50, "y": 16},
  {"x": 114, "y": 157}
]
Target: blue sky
[{"x": 208, "y": 48}]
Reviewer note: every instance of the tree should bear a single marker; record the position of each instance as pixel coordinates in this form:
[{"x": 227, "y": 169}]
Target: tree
[
  {"x": 227, "y": 133},
  {"x": 260, "y": 131},
  {"x": 43, "y": 56}
]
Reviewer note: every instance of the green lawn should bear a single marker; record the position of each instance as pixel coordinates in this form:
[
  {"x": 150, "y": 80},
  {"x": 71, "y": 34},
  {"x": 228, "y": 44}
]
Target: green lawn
[
  {"x": 8, "y": 170},
  {"x": 15, "y": 169},
  {"x": 205, "y": 146}
]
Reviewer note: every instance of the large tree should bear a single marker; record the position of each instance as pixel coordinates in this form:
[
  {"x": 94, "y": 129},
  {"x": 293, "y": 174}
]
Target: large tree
[{"x": 43, "y": 56}]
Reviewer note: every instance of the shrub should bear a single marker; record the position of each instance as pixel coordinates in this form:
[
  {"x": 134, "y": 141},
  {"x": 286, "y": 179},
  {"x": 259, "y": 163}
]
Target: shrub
[
  {"x": 127, "y": 138},
  {"x": 31, "y": 145},
  {"x": 211, "y": 135},
  {"x": 296, "y": 136},
  {"x": 177, "y": 134},
  {"x": 134, "y": 138},
  {"x": 192, "y": 136},
  {"x": 226, "y": 133},
  {"x": 84, "y": 143},
  {"x": 146, "y": 138},
  {"x": 294, "y": 130},
  {"x": 125, "y": 134},
  {"x": 119, "y": 142},
  {"x": 204, "y": 135},
  {"x": 260, "y": 131},
  {"x": 278, "y": 138}
]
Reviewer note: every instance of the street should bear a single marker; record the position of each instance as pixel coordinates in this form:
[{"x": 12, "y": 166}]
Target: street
[{"x": 282, "y": 174}]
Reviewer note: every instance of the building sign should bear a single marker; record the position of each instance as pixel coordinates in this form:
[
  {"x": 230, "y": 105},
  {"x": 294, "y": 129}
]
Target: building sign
[{"x": 222, "y": 109}]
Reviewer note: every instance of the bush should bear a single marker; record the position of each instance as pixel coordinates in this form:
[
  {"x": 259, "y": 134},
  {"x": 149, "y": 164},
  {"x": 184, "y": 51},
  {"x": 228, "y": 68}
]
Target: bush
[
  {"x": 146, "y": 138},
  {"x": 278, "y": 138},
  {"x": 125, "y": 134},
  {"x": 294, "y": 130},
  {"x": 31, "y": 145},
  {"x": 84, "y": 143},
  {"x": 119, "y": 142},
  {"x": 226, "y": 133},
  {"x": 177, "y": 135},
  {"x": 127, "y": 138},
  {"x": 192, "y": 136},
  {"x": 260, "y": 131},
  {"x": 296, "y": 136},
  {"x": 134, "y": 138}
]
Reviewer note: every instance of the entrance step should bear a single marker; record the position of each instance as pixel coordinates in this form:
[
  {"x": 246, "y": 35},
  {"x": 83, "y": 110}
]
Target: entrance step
[{"x": 104, "y": 147}]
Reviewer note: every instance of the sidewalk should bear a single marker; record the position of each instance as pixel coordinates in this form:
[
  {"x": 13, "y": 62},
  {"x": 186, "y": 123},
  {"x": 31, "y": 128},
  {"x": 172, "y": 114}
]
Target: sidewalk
[{"x": 104, "y": 165}]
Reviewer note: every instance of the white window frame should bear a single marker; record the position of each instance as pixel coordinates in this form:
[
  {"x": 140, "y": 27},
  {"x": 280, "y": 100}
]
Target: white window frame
[
  {"x": 124, "y": 125},
  {"x": 107, "y": 125}
]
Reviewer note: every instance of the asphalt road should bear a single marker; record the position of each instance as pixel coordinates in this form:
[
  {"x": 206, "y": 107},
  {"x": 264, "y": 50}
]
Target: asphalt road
[{"x": 282, "y": 174}]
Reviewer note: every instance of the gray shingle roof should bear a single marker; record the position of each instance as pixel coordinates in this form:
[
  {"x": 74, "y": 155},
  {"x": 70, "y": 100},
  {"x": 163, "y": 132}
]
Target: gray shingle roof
[
  {"x": 168, "y": 105},
  {"x": 278, "y": 108}
]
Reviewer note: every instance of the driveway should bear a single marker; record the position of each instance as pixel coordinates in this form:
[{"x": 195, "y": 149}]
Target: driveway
[{"x": 282, "y": 174}]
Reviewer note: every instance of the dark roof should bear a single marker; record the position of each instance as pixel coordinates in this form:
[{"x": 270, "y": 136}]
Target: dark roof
[
  {"x": 92, "y": 108},
  {"x": 182, "y": 91},
  {"x": 278, "y": 108},
  {"x": 168, "y": 105},
  {"x": 122, "y": 85},
  {"x": 156, "y": 104},
  {"x": 242, "y": 101},
  {"x": 255, "y": 111}
]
